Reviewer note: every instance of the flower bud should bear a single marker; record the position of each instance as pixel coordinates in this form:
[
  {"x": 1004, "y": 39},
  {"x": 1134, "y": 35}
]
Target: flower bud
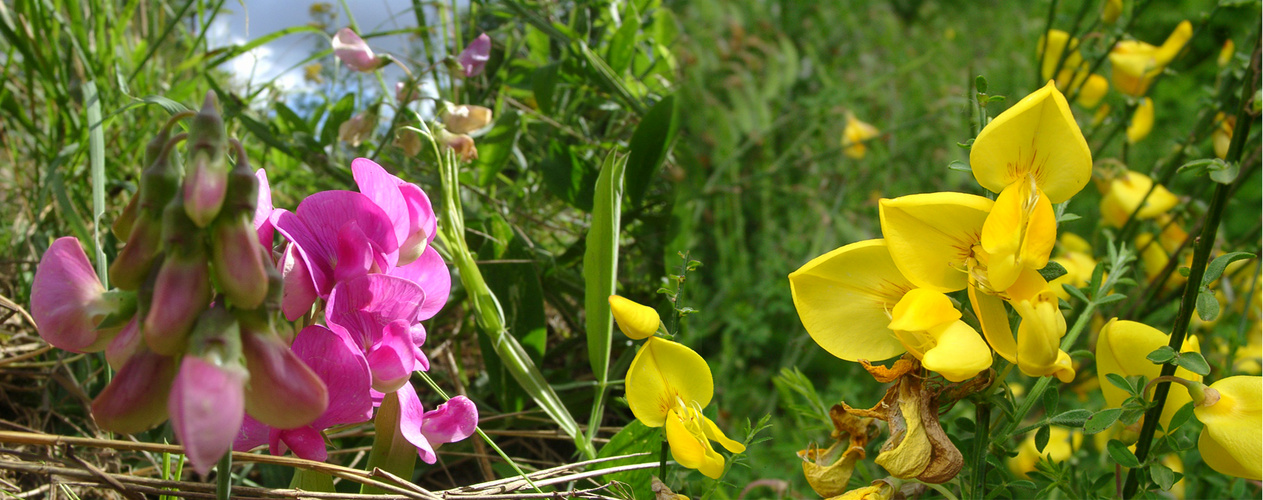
[
  {"x": 461, "y": 143},
  {"x": 1226, "y": 52},
  {"x": 237, "y": 261},
  {"x": 136, "y": 399},
  {"x": 465, "y": 118},
  {"x": 283, "y": 392},
  {"x": 134, "y": 262},
  {"x": 474, "y": 58},
  {"x": 1141, "y": 122},
  {"x": 181, "y": 291},
  {"x": 355, "y": 52},
  {"x": 207, "y": 407},
  {"x": 1111, "y": 11},
  {"x": 125, "y": 345},
  {"x": 357, "y": 128},
  {"x": 1092, "y": 91},
  {"x": 122, "y": 227},
  {"x": 452, "y": 421},
  {"x": 207, "y": 181},
  {"x": 635, "y": 320},
  {"x": 68, "y": 301}
]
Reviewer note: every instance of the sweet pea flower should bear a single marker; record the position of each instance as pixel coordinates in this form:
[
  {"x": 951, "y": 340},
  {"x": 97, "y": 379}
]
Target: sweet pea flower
[
  {"x": 1122, "y": 347},
  {"x": 355, "y": 52},
  {"x": 856, "y": 135},
  {"x": 284, "y": 391},
  {"x": 1141, "y": 122},
  {"x": 474, "y": 58},
  {"x": 379, "y": 314},
  {"x": 452, "y": 421},
  {"x": 1034, "y": 156},
  {"x": 635, "y": 320},
  {"x": 1231, "y": 441},
  {"x": 136, "y": 398},
  {"x": 344, "y": 371},
  {"x": 207, "y": 400},
  {"x": 1135, "y": 64},
  {"x": 68, "y": 300},
  {"x": 668, "y": 385},
  {"x": 405, "y": 204}
]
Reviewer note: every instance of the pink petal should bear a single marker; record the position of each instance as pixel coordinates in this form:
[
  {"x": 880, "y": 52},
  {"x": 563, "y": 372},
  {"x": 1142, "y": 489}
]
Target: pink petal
[
  {"x": 306, "y": 442},
  {"x": 422, "y": 227},
  {"x": 391, "y": 358},
  {"x": 126, "y": 344},
  {"x": 418, "y": 339},
  {"x": 136, "y": 399},
  {"x": 207, "y": 405},
  {"x": 66, "y": 298},
  {"x": 361, "y": 308},
  {"x": 431, "y": 273},
  {"x": 452, "y": 421},
  {"x": 182, "y": 290},
  {"x": 411, "y": 418},
  {"x": 355, "y": 253},
  {"x": 475, "y": 56},
  {"x": 283, "y": 391},
  {"x": 344, "y": 371},
  {"x": 299, "y": 291},
  {"x": 237, "y": 262},
  {"x": 353, "y": 51},
  {"x": 315, "y": 225},
  {"x": 382, "y": 187},
  {"x": 253, "y": 434},
  {"x": 263, "y": 210}
]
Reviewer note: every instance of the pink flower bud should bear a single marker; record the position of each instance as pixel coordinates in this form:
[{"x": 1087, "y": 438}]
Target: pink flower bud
[
  {"x": 354, "y": 52},
  {"x": 475, "y": 56},
  {"x": 405, "y": 93},
  {"x": 67, "y": 299},
  {"x": 122, "y": 227},
  {"x": 133, "y": 264},
  {"x": 136, "y": 399},
  {"x": 206, "y": 182},
  {"x": 181, "y": 292},
  {"x": 206, "y": 406},
  {"x": 125, "y": 345},
  {"x": 299, "y": 290},
  {"x": 283, "y": 392},
  {"x": 237, "y": 260}
]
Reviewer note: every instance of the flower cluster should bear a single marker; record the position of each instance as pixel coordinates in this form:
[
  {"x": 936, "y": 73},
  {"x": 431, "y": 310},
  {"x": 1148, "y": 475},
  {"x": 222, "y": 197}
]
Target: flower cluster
[{"x": 191, "y": 327}]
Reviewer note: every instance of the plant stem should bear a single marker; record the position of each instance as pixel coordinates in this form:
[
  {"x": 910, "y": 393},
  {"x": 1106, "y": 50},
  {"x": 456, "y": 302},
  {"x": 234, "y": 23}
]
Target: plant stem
[
  {"x": 662, "y": 467},
  {"x": 982, "y": 436},
  {"x": 223, "y": 477},
  {"x": 1201, "y": 255}
]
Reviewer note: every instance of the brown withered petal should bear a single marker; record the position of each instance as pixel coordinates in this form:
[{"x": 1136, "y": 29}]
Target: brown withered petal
[
  {"x": 921, "y": 430},
  {"x": 845, "y": 425},
  {"x": 884, "y": 375},
  {"x": 945, "y": 460},
  {"x": 828, "y": 471}
]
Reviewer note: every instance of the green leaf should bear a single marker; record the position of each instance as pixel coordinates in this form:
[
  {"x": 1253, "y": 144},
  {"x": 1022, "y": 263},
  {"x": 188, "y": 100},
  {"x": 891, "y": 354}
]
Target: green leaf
[
  {"x": 1162, "y": 475},
  {"x": 1201, "y": 166},
  {"x": 1075, "y": 292},
  {"x": 1068, "y": 217},
  {"x": 339, "y": 113},
  {"x": 1162, "y": 355},
  {"x": 1227, "y": 174},
  {"x": 1072, "y": 418},
  {"x": 649, "y": 146},
  {"x": 1101, "y": 420},
  {"x": 1194, "y": 362},
  {"x": 623, "y": 43},
  {"x": 544, "y": 85},
  {"x": 959, "y": 166},
  {"x": 310, "y": 480},
  {"x": 1120, "y": 382},
  {"x": 1121, "y": 455},
  {"x": 1052, "y": 271},
  {"x": 980, "y": 83},
  {"x": 634, "y": 438},
  {"x": 568, "y": 177},
  {"x": 1050, "y": 398},
  {"x": 1180, "y": 417},
  {"x": 1041, "y": 438},
  {"x": 96, "y": 160},
  {"x": 600, "y": 273},
  {"x": 1207, "y": 305},
  {"x": 496, "y": 147},
  {"x": 1216, "y": 267}
]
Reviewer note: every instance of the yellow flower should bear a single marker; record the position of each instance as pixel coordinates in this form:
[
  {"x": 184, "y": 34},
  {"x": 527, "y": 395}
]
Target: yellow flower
[
  {"x": 1062, "y": 443},
  {"x": 1124, "y": 194},
  {"x": 1111, "y": 11},
  {"x": 1092, "y": 91},
  {"x": 1154, "y": 258},
  {"x": 311, "y": 73},
  {"x": 1069, "y": 73},
  {"x": 878, "y": 490},
  {"x": 1141, "y": 122},
  {"x": 1222, "y": 136},
  {"x": 1101, "y": 114},
  {"x": 1232, "y": 439},
  {"x": 635, "y": 320},
  {"x": 668, "y": 384},
  {"x": 1034, "y": 155},
  {"x": 1076, "y": 257},
  {"x": 856, "y": 134},
  {"x": 1135, "y": 64},
  {"x": 1122, "y": 347},
  {"x": 856, "y": 304},
  {"x": 1226, "y": 52}
]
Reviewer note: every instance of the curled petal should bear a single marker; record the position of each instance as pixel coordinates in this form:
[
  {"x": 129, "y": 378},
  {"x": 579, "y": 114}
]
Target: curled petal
[
  {"x": 299, "y": 289},
  {"x": 391, "y": 359},
  {"x": 431, "y": 273},
  {"x": 689, "y": 445},
  {"x": 361, "y": 308},
  {"x": 663, "y": 373},
  {"x": 1039, "y": 137},
  {"x": 1141, "y": 122},
  {"x": 411, "y": 420},
  {"x": 931, "y": 236},
  {"x": 958, "y": 353},
  {"x": 1018, "y": 234},
  {"x": 1039, "y": 336},
  {"x": 67, "y": 298},
  {"x": 452, "y": 421},
  {"x": 994, "y": 320},
  {"x": 343, "y": 370},
  {"x": 307, "y": 442},
  {"x": 383, "y": 188},
  {"x": 263, "y": 210},
  {"x": 207, "y": 405},
  {"x": 922, "y": 309},
  {"x": 635, "y": 320}
]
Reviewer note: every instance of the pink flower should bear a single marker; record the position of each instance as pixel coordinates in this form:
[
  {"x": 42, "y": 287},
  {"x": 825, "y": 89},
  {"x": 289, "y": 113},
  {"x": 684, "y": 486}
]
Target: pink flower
[
  {"x": 67, "y": 299},
  {"x": 136, "y": 399},
  {"x": 379, "y": 314},
  {"x": 284, "y": 391},
  {"x": 263, "y": 210},
  {"x": 344, "y": 371},
  {"x": 475, "y": 56},
  {"x": 354, "y": 52},
  {"x": 406, "y": 205},
  {"x": 452, "y": 421},
  {"x": 207, "y": 404}
]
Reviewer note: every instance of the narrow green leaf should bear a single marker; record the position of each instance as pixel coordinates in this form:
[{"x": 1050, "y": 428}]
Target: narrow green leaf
[
  {"x": 96, "y": 160},
  {"x": 1101, "y": 420},
  {"x": 1194, "y": 362},
  {"x": 600, "y": 274},
  {"x": 1120, "y": 382},
  {"x": 1072, "y": 418},
  {"x": 1121, "y": 455},
  {"x": 1180, "y": 417},
  {"x": 1075, "y": 292},
  {"x": 1216, "y": 267},
  {"x": 623, "y": 43},
  {"x": 649, "y": 146}
]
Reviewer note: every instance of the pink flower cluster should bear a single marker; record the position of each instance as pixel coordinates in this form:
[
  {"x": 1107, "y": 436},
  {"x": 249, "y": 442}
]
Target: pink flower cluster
[{"x": 190, "y": 327}]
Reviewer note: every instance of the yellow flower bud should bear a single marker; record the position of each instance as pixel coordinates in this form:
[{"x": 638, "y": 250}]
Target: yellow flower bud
[
  {"x": 856, "y": 134},
  {"x": 1093, "y": 90},
  {"x": 1225, "y": 53},
  {"x": 1141, "y": 122},
  {"x": 635, "y": 320},
  {"x": 1113, "y": 8}
]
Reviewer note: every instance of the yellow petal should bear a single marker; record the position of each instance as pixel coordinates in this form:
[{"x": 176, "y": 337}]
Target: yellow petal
[
  {"x": 994, "y": 319},
  {"x": 959, "y": 353},
  {"x": 931, "y": 236},
  {"x": 879, "y": 490},
  {"x": 1019, "y": 233},
  {"x": 1092, "y": 91},
  {"x": 1133, "y": 66},
  {"x": 1226, "y": 52},
  {"x": 1232, "y": 441},
  {"x": 922, "y": 309},
  {"x": 1056, "y": 41},
  {"x": 635, "y": 320},
  {"x": 714, "y": 434},
  {"x": 1141, "y": 122},
  {"x": 855, "y": 135},
  {"x": 843, "y": 298},
  {"x": 662, "y": 374},
  {"x": 1038, "y": 338},
  {"x": 1174, "y": 43},
  {"x": 1037, "y": 136},
  {"x": 1122, "y": 347},
  {"x": 1062, "y": 443},
  {"x": 1221, "y": 138},
  {"x": 689, "y": 446},
  {"x": 1126, "y": 191}
]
